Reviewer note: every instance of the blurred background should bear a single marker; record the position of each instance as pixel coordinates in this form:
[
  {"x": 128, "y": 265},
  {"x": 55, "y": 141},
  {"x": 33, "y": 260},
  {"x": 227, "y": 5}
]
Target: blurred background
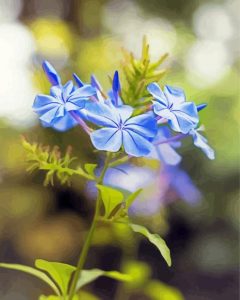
[{"x": 202, "y": 39}]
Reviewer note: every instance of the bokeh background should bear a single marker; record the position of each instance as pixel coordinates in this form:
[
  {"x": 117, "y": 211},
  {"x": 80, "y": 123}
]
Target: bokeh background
[{"x": 202, "y": 39}]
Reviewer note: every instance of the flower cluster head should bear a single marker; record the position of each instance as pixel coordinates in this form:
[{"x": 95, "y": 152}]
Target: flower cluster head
[{"x": 155, "y": 132}]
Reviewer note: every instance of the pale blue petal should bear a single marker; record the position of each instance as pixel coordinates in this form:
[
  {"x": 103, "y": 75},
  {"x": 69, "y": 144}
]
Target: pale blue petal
[
  {"x": 43, "y": 103},
  {"x": 68, "y": 88},
  {"x": 201, "y": 142},
  {"x": 135, "y": 145},
  {"x": 168, "y": 155},
  {"x": 187, "y": 116},
  {"x": 155, "y": 90},
  {"x": 101, "y": 114},
  {"x": 144, "y": 125},
  {"x": 174, "y": 95},
  {"x": 76, "y": 105},
  {"x": 51, "y": 73},
  {"x": 84, "y": 92},
  {"x": 64, "y": 123},
  {"x": 108, "y": 139},
  {"x": 49, "y": 116},
  {"x": 159, "y": 108},
  {"x": 125, "y": 112},
  {"x": 57, "y": 92}
]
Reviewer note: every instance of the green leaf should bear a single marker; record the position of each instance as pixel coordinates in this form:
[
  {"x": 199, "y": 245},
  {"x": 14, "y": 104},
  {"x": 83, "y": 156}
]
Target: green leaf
[
  {"x": 90, "y": 168},
  {"x": 60, "y": 273},
  {"x": 132, "y": 197},
  {"x": 157, "y": 290},
  {"x": 88, "y": 276},
  {"x": 154, "y": 239},
  {"x": 111, "y": 198},
  {"x": 81, "y": 295},
  {"x": 34, "y": 272}
]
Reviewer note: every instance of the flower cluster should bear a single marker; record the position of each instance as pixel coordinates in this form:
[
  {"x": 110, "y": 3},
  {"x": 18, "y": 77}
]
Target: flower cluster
[{"x": 114, "y": 126}]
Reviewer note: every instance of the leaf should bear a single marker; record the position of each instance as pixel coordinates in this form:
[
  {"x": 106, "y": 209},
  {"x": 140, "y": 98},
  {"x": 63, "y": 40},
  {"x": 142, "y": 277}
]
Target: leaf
[
  {"x": 132, "y": 197},
  {"x": 34, "y": 272},
  {"x": 81, "y": 295},
  {"x": 88, "y": 276},
  {"x": 111, "y": 198},
  {"x": 157, "y": 290},
  {"x": 90, "y": 168},
  {"x": 60, "y": 273},
  {"x": 154, "y": 239}
]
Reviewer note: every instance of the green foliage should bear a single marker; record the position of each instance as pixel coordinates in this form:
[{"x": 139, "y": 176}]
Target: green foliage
[
  {"x": 90, "y": 168},
  {"x": 88, "y": 276},
  {"x": 157, "y": 290},
  {"x": 33, "y": 272},
  {"x": 59, "y": 272},
  {"x": 138, "y": 74},
  {"x": 112, "y": 199},
  {"x": 59, "y": 276},
  {"x": 156, "y": 240},
  {"x": 51, "y": 161}
]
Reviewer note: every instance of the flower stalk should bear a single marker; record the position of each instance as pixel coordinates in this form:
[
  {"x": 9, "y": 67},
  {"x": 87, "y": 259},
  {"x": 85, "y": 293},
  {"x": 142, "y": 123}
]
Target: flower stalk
[{"x": 87, "y": 244}]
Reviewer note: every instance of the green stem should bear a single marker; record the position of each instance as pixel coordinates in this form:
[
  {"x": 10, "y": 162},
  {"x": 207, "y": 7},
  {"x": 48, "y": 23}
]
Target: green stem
[{"x": 89, "y": 237}]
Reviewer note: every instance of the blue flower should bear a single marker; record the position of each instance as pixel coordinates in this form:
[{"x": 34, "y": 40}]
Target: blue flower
[
  {"x": 114, "y": 93},
  {"x": 171, "y": 104},
  {"x": 55, "y": 110},
  {"x": 119, "y": 129},
  {"x": 202, "y": 143},
  {"x": 164, "y": 149}
]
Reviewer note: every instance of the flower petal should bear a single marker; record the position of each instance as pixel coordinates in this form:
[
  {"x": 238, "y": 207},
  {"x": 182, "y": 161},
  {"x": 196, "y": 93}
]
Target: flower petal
[
  {"x": 109, "y": 139},
  {"x": 49, "y": 116},
  {"x": 68, "y": 88},
  {"x": 101, "y": 114},
  {"x": 144, "y": 125},
  {"x": 168, "y": 155},
  {"x": 82, "y": 92},
  {"x": 187, "y": 117},
  {"x": 135, "y": 145},
  {"x": 64, "y": 123},
  {"x": 125, "y": 112},
  {"x": 51, "y": 73},
  {"x": 43, "y": 103},
  {"x": 174, "y": 94},
  {"x": 201, "y": 142},
  {"x": 155, "y": 90}
]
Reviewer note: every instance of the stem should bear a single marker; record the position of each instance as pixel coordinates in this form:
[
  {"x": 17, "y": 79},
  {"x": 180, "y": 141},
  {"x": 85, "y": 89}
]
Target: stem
[
  {"x": 171, "y": 139},
  {"x": 80, "y": 121},
  {"x": 89, "y": 237}
]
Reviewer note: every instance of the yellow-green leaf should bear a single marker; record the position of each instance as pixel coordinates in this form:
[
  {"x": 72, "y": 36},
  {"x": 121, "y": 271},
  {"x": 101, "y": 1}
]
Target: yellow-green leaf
[
  {"x": 88, "y": 276},
  {"x": 111, "y": 198},
  {"x": 60, "y": 273},
  {"x": 33, "y": 272},
  {"x": 90, "y": 168},
  {"x": 156, "y": 240}
]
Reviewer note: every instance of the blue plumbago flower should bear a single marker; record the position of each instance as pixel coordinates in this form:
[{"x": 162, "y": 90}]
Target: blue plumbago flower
[
  {"x": 171, "y": 104},
  {"x": 120, "y": 129},
  {"x": 201, "y": 142},
  {"x": 181, "y": 183},
  {"x": 164, "y": 147},
  {"x": 58, "y": 109}
]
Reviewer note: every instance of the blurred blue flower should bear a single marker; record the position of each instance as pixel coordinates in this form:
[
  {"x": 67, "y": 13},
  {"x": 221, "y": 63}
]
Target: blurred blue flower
[
  {"x": 160, "y": 188},
  {"x": 171, "y": 104},
  {"x": 164, "y": 148},
  {"x": 202, "y": 143},
  {"x": 55, "y": 110},
  {"x": 119, "y": 129}
]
